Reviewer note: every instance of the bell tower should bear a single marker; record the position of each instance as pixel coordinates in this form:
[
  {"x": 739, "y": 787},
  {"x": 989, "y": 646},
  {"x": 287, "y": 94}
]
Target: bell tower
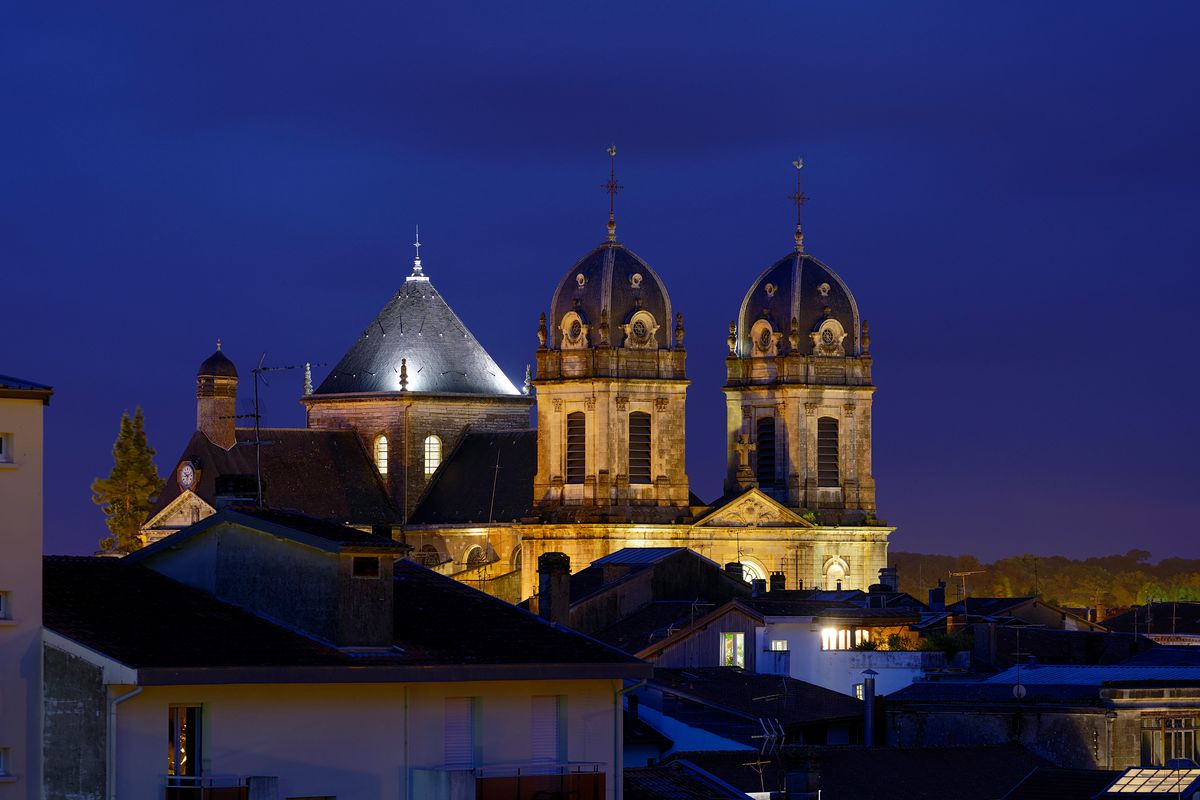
[
  {"x": 611, "y": 391},
  {"x": 216, "y": 399}
]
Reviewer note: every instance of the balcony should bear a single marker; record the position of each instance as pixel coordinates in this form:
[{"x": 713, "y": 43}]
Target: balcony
[
  {"x": 178, "y": 787},
  {"x": 573, "y": 781}
]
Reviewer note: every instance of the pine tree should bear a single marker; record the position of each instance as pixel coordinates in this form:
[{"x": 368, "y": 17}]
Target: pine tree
[{"x": 129, "y": 491}]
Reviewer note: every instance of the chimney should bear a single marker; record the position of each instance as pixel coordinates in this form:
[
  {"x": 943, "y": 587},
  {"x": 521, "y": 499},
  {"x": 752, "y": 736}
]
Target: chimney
[
  {"x": 803, "y": 783},
  {"x": 889, "y": 578},
  {"x": 216, "y": 399},
  {"x": 734, "y": 568},
  {"x": 554, "y": 587},
  {"x": 937, "y": 597},
  {"x": 869, "y": 706},
  {"x": 758, "y": 587},
  {"x": 778, "y": 581}
]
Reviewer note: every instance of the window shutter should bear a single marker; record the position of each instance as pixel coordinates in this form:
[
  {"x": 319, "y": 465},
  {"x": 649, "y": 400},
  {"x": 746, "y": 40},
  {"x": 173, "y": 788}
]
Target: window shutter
[
  {"x": 827, "y": 452},
  {"x": 460, "y": 733},
  {"x": 545, "y": 732},
  {"x": 576, "y": 447},
  {"x": 639, "y": 447},
  {"x": 765, "y": 451}
]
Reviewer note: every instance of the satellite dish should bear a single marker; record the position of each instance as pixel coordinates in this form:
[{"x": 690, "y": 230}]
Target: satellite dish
[{"x": 1018, "y": 691}]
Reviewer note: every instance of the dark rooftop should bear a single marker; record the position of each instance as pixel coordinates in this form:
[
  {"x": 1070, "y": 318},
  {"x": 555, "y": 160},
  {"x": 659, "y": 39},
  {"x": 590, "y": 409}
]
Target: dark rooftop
[
  {"x": 678, "y": 780},
  {"x": 319, "y": 473},
  {"x": 857, "y": 773},
  {"x": 218, "y": 365},
  {"x": 754, "y": 695},
  {"x": 1158, "y": 619},
  {"x": 653, "y": 623},
  {"x": 441, "y": 354},
  {"x": 468, "y": 487},
  {"x": 21, "y": 388},
  {"x": 1050, "y": 783}
]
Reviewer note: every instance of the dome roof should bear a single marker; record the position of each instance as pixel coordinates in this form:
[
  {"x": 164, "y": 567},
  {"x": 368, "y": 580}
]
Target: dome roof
[
  {"x": 217, "y": 365},
  {"x": 801, "y": 287},
  {"x": 610, "y": 278},
  {"x": 441, "y": 355}
]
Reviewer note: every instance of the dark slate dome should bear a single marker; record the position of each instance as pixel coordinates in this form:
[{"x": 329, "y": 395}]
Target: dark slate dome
[
  {"x": 217, "y": 366},
  {"x": 441, "y": 355},
  {"x": 613, "y": 278},
  {"x": 798, "y": 286}
]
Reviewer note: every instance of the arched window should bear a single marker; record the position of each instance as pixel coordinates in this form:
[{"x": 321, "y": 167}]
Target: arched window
[
  {"x": 835, "y": 573},
  {"x": 827, "y": 452},
  {"x": 475, "y": 557},
  {"x": 381, "y": 454},
  {"x": 765, "y": 451},
  {"x": 639, "y": 447},
  {"x": 427, "y": 555},
  {"x": 576, "y": 447},
  {"x": 433, "y": 453}
]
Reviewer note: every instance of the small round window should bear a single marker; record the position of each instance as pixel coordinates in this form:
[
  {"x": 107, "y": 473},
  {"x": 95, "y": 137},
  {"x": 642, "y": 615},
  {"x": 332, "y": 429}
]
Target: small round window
[
  {"x": 576, "y": 330},
  {"x": 639, "y": 329},
  {"x": 827, "y": 336},
  {"x": 764, "y": 338}
]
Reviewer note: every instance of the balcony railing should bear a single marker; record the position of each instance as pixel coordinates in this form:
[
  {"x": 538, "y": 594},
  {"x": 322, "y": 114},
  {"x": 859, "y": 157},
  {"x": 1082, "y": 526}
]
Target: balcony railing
[
  {"x": 208, "y": 787},
  {"x": 529, "y": 781}
]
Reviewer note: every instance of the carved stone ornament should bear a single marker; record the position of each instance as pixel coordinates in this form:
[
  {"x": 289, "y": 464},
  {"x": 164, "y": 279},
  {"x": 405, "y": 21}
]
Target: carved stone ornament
[
  {"x": 604, "y": 327},
  {"x": 642, "y": 332},
  {"x": 811, "y": 408},
  {"x": 771, "y": 289},
  {"x": 635, "y": 280},
  {"x": 581, "y": 279},
  {"x": 848, "y": 408},
  {"x": 794, "y": 337},
  {"x": 574, "y": 331},
  {"x": 732, "y": 338},
  {"x": 828, "y": 339},
  {"x": 590, "y": 403},
  {"x": 541, "y": 331},
  {"x": 765, "y": 339},
  {"x": 823, "y": 289},
  {"x": 557, "y": 404},
  {"x": 660, "y": 403},
  {"x": 747, "y": 412},
  {"x": 622, "y": 402},
  {"x": 679, "y": 330}
]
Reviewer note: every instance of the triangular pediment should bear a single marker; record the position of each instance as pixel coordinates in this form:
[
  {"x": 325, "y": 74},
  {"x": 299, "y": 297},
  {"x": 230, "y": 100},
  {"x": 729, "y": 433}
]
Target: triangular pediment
[
  {"x": 184, "y": 510},
  {"x": 754, "y": 508}
]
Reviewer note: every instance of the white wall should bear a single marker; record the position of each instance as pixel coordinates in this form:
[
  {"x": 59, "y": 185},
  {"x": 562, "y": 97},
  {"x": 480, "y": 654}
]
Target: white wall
[
  {"x": 839, "y": 670},
  {"x": 21, "y": 576},
  {"x": 352, "y": 741}
]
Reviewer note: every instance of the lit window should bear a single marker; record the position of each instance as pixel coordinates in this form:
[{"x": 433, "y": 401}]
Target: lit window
[
  {"x": 548, "y": 729},
  {"x": 381, "y": 454},
  {"x": 5, "y": 605},
  {"x": 433, "y": 453},
  {"x": 639, "y": 447},
  {"x": 1165, "y": 738},
  {"x": 843, "y": 638},
  {"x": 827, "y": 452},
  {"x": 576, "y": 447},
  {"x": 861, "y": 636},
  {"x": 733, "y": 650},
  {"x": 858, "y": 691},
  {"x": 183, "y": 741},
  {"x": 462, "y": 717},
  {"x": 779, "y": 645}
]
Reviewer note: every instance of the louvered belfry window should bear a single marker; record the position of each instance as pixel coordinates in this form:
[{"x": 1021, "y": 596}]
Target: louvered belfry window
[
  {"x": 765, "y": 452},
  {"x": 576, "y": 447},
  {"x": 639, "y": 447},
  {"x": 827, "y": 452}
]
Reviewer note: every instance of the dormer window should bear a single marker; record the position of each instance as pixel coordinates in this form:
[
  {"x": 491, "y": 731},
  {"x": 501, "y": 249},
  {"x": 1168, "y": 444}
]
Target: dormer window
[
  {"x": 381, "y": 454},
  {"x": 641, "y": 332}
]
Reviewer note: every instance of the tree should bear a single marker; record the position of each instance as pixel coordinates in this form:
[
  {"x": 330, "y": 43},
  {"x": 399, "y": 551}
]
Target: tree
[{"x": 130, "y": 490}]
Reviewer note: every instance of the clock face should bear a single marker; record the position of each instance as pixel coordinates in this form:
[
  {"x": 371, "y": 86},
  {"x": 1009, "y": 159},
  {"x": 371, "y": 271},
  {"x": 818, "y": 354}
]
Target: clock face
[{"x": 187, "y": 475}]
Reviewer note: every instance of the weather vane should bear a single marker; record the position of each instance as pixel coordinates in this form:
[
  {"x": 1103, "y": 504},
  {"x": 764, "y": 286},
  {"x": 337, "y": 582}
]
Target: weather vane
[
  {"x": 799, "y": 198},
  {"x": 612, "y": 187},
  {"x": 417, "y": 273}
]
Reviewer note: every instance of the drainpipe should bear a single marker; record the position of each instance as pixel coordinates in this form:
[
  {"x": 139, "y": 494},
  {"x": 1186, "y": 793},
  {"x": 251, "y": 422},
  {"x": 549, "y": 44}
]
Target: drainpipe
[
  {"x": 618, "y": 724},
  {"x": 111, "y": 742}
]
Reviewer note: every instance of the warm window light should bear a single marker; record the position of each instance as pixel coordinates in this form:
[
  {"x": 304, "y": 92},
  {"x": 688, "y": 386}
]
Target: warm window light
[
  {"x": 433, "y": 453},
  {"x": 381, "y": 454},
  {"x": 829, "y": 638}
]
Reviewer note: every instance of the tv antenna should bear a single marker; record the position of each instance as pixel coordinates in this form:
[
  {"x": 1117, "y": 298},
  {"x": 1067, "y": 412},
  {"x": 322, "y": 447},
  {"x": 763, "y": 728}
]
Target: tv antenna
[{"x": 963, "y": 577}]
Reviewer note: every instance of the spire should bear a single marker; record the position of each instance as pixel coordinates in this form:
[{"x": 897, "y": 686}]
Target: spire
[
  {"x": 799, "y": 198},
  {"x": 418, "y": 274},
  {"x": 612, "y": 187}
]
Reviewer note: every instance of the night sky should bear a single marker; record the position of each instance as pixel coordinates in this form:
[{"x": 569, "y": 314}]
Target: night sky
[{"x": 1009, "y": 189}]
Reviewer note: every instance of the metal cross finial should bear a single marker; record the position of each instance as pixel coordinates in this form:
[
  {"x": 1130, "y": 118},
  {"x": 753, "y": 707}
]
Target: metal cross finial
[
  {"x": 612, "y": 187},
  {"x": 417, "y": 272},
  {"x": 799, "y": 198},
  {"x": 218, "y": 343}
]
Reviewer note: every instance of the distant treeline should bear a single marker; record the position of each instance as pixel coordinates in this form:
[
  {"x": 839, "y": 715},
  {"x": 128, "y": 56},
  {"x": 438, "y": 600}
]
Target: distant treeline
[{"x": 1110, "y": 581}]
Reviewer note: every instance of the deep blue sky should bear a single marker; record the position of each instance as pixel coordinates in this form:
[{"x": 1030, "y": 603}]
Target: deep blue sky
[{"x": 1010, "y": 189}]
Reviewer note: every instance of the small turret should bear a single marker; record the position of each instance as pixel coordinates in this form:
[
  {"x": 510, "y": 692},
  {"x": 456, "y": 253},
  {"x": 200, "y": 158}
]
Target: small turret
[{"x": 216, "y": 399}]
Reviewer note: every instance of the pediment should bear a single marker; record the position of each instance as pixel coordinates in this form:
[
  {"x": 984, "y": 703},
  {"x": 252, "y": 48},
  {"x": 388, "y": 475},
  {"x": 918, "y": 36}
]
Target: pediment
[
  {"x": 756, "y": 509},
  {"x": 184, "y": 510}
]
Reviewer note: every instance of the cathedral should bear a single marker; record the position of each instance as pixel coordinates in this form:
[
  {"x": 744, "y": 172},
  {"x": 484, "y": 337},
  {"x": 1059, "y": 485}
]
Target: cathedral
[{"x": 417, "y": 434}]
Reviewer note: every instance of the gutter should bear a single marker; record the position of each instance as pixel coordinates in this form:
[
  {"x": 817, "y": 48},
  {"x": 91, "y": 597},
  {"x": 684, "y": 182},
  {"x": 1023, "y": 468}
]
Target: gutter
[{"x": 110, "y": 773}]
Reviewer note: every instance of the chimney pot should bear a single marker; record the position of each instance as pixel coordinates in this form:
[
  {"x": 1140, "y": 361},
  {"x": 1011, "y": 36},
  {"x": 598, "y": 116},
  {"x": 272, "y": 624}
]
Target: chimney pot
[
  {"x": 734, "y": 568},
  {"x": 778, "y": 581},
  {"x": 758, "y": 587}
]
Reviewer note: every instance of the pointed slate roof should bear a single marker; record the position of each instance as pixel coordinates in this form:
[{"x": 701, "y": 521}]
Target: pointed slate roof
[{"x": 441, "y": 354}]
